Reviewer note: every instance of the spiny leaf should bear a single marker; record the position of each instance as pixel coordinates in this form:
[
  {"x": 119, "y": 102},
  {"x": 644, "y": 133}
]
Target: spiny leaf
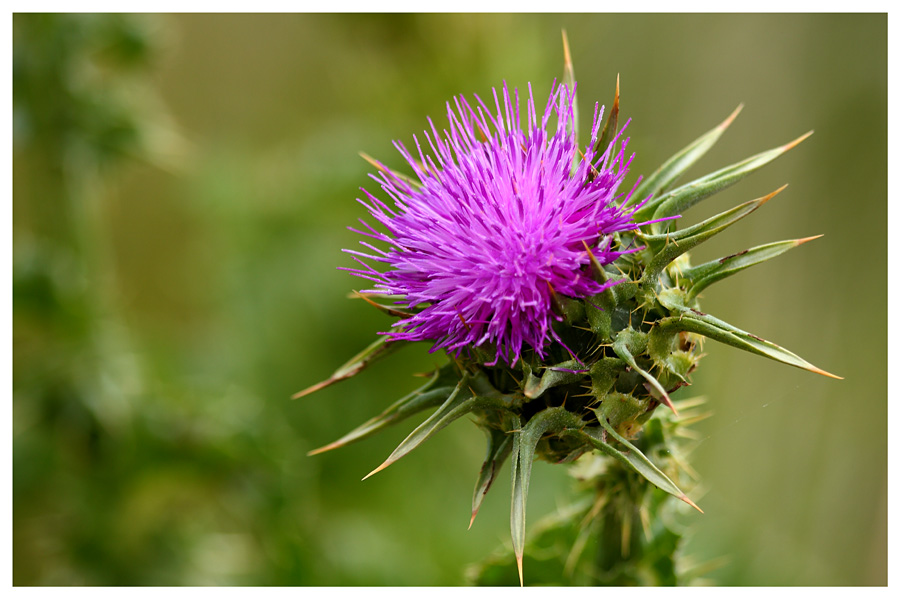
[
  {"x": 706, "y": 274},
  {"x": 422, "y": 398},
  {"x": 633, "y": 458},
  {"x": 569, "y": 81},
  {"x": 553, "y": 376},
  {"x": 624, "y": 347},
  {"x": 458, "y": 404},
  {"x": 380, "y": 348},
  {"x": 610, "y": 128},
  {"x": 679, "y": 200},
  {"x": 660, "y": 181},
  {"x": 676, "y": 243},
  {"x": 386, "y": 309},
  {"x": 524, "y": 443},
  {"x": 713, "y": 328},
  {"x": 398, "y": 176},
  {"x": 499, "y": 447},
  {"x": 462, "y": 401}
]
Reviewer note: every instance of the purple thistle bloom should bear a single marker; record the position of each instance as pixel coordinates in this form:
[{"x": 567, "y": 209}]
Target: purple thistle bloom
[{"x": 498, "y": 224}]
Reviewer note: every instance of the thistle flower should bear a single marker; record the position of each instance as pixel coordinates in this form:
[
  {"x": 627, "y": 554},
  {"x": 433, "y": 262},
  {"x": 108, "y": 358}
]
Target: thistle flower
[
  {"x": 514, "y": 240},
  {"x": 499, "y": 224}
]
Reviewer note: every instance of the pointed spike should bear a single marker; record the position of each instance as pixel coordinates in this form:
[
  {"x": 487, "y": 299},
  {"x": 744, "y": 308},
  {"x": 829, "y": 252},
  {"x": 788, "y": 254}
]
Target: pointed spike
[
  {"x": 687, "y": 500},
  {"x": 668, "y": 401},
  {"x": 372, "y": 161},
  {"x": 383, "y": 169},
  {"x": 567, "y": 55},
  {"x": 793, "y": 144},
  {"x": 609, "y": 128},
  {"x": 727, "y": 122},
  {"x": 312, "y": 389},
  {"x": 324, "y": 448},
  {"x": 806, "y": 239},
  {"x": 616, "y": 100},
  {"x": 824, "y": 372},
  {"x": 383, "y": 308},
  {"x": 768, "y": 197},
  {"x": 519, "y": 565},
  {"x": 386, "y": 463}
]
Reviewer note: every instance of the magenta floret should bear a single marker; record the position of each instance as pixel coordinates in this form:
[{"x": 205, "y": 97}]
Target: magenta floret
[{"x": 499, "y": 223}]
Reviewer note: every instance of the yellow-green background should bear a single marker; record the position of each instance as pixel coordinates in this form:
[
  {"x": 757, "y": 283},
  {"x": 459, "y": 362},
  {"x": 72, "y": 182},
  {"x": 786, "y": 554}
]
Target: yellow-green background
[{"x": 168, "y": 302}]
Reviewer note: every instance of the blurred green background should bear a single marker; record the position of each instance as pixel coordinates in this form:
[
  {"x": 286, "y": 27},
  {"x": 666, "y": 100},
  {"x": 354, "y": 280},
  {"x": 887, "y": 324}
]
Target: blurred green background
[{"x": 182, "y": 186}]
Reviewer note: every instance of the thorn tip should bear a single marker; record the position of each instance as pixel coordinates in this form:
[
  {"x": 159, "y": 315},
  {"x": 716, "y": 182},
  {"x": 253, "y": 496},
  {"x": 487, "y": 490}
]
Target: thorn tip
[{"x": 379, "y": 469}]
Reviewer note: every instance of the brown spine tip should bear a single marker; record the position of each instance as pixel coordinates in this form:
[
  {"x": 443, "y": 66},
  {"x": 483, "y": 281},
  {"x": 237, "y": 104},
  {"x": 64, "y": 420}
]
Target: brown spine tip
[
  {"x": 687, "y": 500},
  {"x": 519, "y": 564},
  {"x": 372, "y": 161},
  {"x": 796, "y": 142},
  {"x": 727, "y": 122},
  {"x": 824, "y": 373},
  {"x": 383, "y": 308},
  {"x": 668, "y": 401},
  {"x": 765, "y": 199},
  {"x": 567, "y": 56},
  {"x": 324, "y": 448},
  {"x": 379, "y": 469},
  {"x": 313, "y": 389},
  {"x": 805, "y": 239}
]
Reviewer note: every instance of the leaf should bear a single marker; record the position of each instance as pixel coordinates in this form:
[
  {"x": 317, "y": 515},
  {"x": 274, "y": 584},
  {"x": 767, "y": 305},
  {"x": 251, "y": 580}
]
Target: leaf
[
  {"x": 524, "y": 443},
  {"x": 706, "y": 274},
  {"x": 674, "y": 167},
  {"x": 668, "y": 246},
  {"x": 421, "y": 399},
  {"x": 623, "y": 346},
  {"x": 381, "y": 347},
  {"x": 610, "y": 129},
  {"x": 679, "y": 200},
  {"x": 633, "y": 458},
  {"x": 703, "y": 324},
  {"x": 553, "y": 376},
  {"x": 462, "y": 401},
  {"x": 398, "y": 176},
  {"x": 569, "y": 81},
  {"x": 499, "y": 447}
]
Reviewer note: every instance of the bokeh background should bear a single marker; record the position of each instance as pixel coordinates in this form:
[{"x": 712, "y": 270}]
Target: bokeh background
[{"x": 182, "y": 186}]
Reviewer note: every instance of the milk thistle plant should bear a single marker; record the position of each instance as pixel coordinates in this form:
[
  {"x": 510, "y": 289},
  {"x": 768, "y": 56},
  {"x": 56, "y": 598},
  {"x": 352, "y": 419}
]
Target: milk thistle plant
[{"x": 568, "y": 309}]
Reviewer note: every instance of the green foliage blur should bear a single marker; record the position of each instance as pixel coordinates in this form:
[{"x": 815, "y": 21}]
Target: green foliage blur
[{"x": 182, "y": 186}]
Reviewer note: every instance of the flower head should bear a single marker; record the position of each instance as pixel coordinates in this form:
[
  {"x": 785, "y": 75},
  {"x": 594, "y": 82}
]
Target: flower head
[{"x": 501, "y": 221}]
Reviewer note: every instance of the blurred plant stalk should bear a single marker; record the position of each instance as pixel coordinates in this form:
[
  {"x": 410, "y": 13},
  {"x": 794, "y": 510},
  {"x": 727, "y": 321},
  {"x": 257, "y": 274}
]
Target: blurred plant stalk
[{"x": 83, "y": 108}]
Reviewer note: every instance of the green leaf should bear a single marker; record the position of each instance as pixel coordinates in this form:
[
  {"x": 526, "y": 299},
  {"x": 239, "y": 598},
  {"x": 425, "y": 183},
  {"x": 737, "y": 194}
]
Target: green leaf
[
  {"x": 671, "y": 245},
  {"x": 553, "y": 376},
  {"x": 391, "y": 173},
  {"x": 460, "y": 403},
  {"x": 633, "y": 458},
  {"x": 703, "y": 324},
  {"x": 524, "y": 442},
  {"x": 380, "y": 348},
  {"x": 464, "y": 399},
  {"x": 421, "y": 399},
  {"x": 610, "y": 129},
  {"x": 679, "y": 200},
  {"x": 660, "y": 181},
  {"x": 629, "y": 343},
  {"x": 499, "y": 447},
  {"x": 569, "y": 81},
  {"x": 704, "y": 275}
]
